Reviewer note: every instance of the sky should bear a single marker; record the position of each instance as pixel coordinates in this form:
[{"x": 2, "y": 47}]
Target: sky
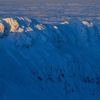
[
  {"x": 4, "y": 1},
  {"x": 17, "y": 2}
]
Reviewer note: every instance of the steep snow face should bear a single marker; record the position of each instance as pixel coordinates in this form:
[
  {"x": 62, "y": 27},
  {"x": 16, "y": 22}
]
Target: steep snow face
[{"x": 49, "y": 62}]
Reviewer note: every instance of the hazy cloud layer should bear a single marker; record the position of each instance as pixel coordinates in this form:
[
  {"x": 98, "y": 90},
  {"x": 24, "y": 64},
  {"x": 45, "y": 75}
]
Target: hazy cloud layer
[{"x": 4, "y": 1}]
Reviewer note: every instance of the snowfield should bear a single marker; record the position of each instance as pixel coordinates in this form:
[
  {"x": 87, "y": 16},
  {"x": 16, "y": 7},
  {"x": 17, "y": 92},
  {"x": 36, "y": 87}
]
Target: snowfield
[{"x": 49, "y": 61}]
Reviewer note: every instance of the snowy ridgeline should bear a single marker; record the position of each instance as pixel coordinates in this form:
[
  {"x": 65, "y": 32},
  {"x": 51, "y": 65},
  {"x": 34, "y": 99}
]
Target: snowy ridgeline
[
  {"x": 26, "y": 31},
  {"x": 49, "y": 62}
]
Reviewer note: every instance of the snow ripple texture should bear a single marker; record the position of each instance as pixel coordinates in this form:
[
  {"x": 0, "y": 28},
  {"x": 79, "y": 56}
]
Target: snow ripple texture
[{"x": 49, "y": 61}]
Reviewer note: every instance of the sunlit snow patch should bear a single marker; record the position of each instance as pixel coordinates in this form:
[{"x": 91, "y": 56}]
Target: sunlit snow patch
[
  {"x": 65, "y": 22},
  {"x": 29, "y": 29},
  {"x": 40, "y": 27},
  {"x": 2, "y": 27},
  {"x": 89, "y": 24},
  {"x": 55, "y": 27},
  {"x": 12, "y": 24}
]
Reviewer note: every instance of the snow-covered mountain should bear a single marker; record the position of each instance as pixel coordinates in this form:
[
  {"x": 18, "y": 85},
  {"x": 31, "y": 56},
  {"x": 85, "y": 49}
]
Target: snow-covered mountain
[{"x": 49, "y": 61}]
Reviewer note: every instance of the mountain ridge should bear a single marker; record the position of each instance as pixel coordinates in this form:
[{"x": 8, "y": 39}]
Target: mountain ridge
[{"x": 42, "y": 61}]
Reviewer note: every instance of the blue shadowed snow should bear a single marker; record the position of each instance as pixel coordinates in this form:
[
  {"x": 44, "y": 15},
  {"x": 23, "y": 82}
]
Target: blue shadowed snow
[{"x": 49, "y": 62}]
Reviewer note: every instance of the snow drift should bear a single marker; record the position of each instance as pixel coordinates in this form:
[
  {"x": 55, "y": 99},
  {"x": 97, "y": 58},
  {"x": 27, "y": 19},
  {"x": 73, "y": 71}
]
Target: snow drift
[{"x": 42, "y": 61}]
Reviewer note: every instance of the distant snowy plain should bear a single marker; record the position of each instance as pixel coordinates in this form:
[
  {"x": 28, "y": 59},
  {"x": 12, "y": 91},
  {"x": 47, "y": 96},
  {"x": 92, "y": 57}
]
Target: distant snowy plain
[{"x": 50, "y": 51}]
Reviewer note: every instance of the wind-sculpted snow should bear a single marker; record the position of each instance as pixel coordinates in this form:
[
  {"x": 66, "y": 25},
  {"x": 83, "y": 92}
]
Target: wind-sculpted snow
[{"x": 49, "y": 61}]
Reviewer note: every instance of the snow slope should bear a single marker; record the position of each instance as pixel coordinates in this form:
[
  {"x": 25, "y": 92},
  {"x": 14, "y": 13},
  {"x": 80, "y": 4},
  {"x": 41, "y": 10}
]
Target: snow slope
[{"x": 49, "y": 62}]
